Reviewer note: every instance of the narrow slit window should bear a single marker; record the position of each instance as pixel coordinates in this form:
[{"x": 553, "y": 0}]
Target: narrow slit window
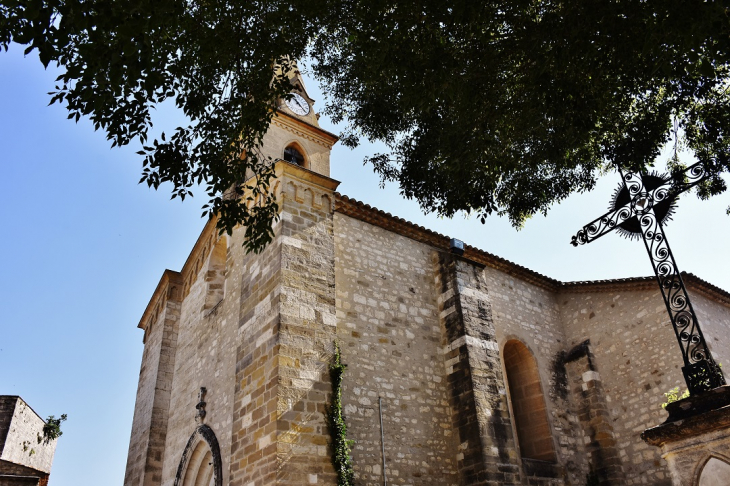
[{"x": 294, "y": 156}]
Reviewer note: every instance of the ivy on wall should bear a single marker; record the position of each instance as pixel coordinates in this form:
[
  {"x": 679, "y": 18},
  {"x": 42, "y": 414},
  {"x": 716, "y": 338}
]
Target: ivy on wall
[{"x": 341, "y": 446}]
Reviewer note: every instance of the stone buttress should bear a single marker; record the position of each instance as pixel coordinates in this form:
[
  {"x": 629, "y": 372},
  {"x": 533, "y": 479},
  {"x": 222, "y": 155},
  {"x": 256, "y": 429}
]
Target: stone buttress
[
  {"x": 487, "y": 451},
  {"x": 589, "y": 398},
  {"x": 286, "y": 332},
  {"x": 151, "y": 413}
]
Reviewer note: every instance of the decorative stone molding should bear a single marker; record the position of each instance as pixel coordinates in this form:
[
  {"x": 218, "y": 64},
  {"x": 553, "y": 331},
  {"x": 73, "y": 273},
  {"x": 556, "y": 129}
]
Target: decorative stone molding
[
  {"x": 306, "y": 131},
  {"x": 200, "y": 407},
  {"x": 168, "y": 288},
  {"x": 694, "y": 415},
  {"x": 202, "y": 434}
]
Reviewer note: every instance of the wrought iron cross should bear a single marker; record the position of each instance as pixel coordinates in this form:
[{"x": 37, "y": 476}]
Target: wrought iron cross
[{"x": 640, "y": 206}]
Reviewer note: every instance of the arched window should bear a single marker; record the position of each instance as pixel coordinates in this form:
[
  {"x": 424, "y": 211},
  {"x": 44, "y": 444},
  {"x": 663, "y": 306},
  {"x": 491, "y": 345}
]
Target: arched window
[
  {"x": 200, "y": 464},
  {"x": 528, "y": 404},
  {"x": 291, "y": 154}
]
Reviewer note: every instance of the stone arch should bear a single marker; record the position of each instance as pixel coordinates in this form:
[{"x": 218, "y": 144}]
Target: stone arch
[
  {"x": 529, "y": 412},
  {"x": 215, "y": 276},
  {"x": 326, "y": 202},
  {"x": 714, "y": 471},
  {"x": 174, "y": 293},
  {"x": 200, "y": 464},
  {"x": 292, "y": 192},
  {"x": 312, "y": 197}
]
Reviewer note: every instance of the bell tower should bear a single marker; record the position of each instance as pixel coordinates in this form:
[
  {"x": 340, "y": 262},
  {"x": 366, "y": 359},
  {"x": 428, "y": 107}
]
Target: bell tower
[{"x": 295, "y": 134}]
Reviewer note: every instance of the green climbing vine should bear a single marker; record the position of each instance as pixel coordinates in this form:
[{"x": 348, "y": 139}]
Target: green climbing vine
[{"x": 341, "y": 446}]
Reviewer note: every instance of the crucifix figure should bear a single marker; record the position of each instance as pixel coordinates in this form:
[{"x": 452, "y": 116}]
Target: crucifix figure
[{"x": 640, "y": 206}]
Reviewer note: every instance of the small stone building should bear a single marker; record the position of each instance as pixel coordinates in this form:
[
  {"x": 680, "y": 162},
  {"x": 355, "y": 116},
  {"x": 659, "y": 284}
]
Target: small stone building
[
  {"x": 24, "y": 459},
  {"x": 481, "y": 371}
]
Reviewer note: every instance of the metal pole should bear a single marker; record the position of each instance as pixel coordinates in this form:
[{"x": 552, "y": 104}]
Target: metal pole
[{"x": 382, "y": 438}]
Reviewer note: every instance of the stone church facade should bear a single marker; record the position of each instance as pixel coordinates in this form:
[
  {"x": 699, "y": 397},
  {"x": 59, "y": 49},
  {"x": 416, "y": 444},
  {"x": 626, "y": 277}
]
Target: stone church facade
[{"x": 481, "y": 371}]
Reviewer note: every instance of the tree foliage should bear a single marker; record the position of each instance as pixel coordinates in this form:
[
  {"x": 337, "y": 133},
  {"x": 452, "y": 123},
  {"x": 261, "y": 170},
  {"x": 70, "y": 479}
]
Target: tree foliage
[
  {"x": 52, "y": 429},
  {"x": 223, "y": 63},
  {"x": 490, "y": 106}
]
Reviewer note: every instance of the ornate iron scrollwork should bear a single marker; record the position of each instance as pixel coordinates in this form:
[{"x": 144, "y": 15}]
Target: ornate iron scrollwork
[{"x": 651, "y": 200}]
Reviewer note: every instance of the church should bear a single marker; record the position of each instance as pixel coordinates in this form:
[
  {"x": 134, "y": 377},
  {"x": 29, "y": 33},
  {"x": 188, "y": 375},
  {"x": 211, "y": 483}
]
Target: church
[{"x": 462, "y": 368}]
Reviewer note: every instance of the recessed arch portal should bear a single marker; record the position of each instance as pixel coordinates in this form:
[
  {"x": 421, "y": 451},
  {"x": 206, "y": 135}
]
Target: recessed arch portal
[
  {"x": 200, "y": 464},
  {"x": 528, "y": 403}
]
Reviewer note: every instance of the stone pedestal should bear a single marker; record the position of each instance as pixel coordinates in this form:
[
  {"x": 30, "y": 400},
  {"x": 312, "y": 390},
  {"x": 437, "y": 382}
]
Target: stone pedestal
[{"x": 695, "y": 439}]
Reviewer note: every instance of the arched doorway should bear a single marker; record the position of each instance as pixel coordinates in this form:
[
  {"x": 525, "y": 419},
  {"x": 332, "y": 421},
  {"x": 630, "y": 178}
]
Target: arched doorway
[
  {"x": 528, "y": 403},
  {"x": 200, "y": 464}
]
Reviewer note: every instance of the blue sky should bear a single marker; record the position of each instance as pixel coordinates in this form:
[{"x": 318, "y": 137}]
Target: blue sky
[{"x": 83, "y": 247}]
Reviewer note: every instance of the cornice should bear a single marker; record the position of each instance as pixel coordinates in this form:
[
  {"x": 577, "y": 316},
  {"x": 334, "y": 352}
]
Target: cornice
[
  {"x": 198, "y": 254},
  {"x": 369, "y": 214},
  {"x": 693, "y": 283},
  {"x": 169, "y": 277},
  {"x": 184, "y": 278},
  {"x": 304, "y": 129},
  {"x": 365, "y": 212},
  {"x": 282, "y": 167}
]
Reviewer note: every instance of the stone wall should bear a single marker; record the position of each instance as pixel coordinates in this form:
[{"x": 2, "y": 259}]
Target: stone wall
[
  {"x": 715, "y": 322},
  {"x": 638, "y": 359},
  {"x": 149, "y": 426},
  {"x": 16, "y": 475},
  {"x": 313, "y": 144},
  {"x": 307, "y": 328},
  {"x": 7, "y": 408},
  {"x": 634, "y": 351},
  {"x": 480, "y": 412},
  {"x": 391, "y": 339},
  {"x": 695, "y": 439},
  {"x": 20, "y": 445},
  {"x": 286, "y": 330},
  {"x": 531, "y": 314},
  {"x": 203, "y": 358},
  {"x": 591, "y": 407},
  {"x": 255, "y": 386}
]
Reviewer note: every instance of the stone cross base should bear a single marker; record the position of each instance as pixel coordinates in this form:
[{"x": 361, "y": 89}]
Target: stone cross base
[{"x": 695, "y": 439}]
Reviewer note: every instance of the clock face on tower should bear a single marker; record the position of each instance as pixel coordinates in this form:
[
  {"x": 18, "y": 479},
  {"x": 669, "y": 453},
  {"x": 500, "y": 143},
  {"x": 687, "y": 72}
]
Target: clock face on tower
[{"x": 298, "y": 105}]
